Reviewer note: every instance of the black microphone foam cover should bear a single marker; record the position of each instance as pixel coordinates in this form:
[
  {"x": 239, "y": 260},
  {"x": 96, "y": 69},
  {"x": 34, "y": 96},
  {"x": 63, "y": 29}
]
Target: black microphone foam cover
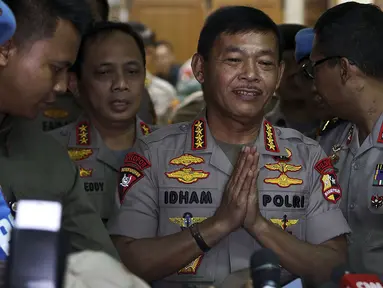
[{"x": 264, "y": 257}]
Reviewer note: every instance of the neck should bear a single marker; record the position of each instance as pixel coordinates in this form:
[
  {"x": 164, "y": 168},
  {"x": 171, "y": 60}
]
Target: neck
[
  {"x": 229, "y": 130},
  {"x": 116, "y": 136},
  {"x": 369, "y": 108}
]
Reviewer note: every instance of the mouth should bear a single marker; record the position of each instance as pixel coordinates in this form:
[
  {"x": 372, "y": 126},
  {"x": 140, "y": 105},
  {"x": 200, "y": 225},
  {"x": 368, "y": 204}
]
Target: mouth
[
  {"x": 247, "y": 93},
  {"x": 119, "y": 105}
]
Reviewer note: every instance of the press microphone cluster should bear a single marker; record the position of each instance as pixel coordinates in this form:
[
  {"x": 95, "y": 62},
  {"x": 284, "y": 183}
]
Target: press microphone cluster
[
  {"x": 265, "y": 269},
  {"x": 38, "y": 247},
  {"x": 346, "y": 279}
]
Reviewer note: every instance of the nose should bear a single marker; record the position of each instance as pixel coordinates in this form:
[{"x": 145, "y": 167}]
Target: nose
[
  {"x": 250, "y": 70},
  {"x": 120, "y": 84},
  {"x": 61, "y": 85}
]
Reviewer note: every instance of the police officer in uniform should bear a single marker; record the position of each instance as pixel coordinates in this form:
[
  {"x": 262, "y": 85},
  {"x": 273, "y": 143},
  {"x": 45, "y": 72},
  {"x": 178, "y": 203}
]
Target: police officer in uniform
[
  {"x": 203, "y": 196},
  {"x": 347, "y": 66},
  {"x": 110, "y": 72},
  {"x": 188, "y": 109},
  {"x": 33, "y": 68},
  {"x": 331, "y": 128}
]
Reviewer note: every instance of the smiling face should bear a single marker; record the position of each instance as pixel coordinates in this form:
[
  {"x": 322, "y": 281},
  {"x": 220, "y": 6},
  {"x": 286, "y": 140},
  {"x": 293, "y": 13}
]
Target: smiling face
[
  {"x": 241, "y": 74},
  {"x": 112, "y": 77}
]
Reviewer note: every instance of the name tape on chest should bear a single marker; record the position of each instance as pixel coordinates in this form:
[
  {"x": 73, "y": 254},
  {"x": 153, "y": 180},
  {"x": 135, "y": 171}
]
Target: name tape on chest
[
  {"x": 199, "y": 135},
  {"x": 283, "y": 180},
  {"x": 331, "y": 189},
  {"x": 131, "y": 172},
  {"x": 187, "y": 197},
  {"x": 269, "y": 137},
  {"x": 83, "y": 133},
  {"x": 285, "y": 201},
  {"x": 145, "y": 129},
  {"x": 184, "y": 222}
]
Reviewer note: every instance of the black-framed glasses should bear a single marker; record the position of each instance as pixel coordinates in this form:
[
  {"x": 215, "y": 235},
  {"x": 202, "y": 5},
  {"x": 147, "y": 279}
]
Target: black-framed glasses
[{"x": 309, "y": 68}]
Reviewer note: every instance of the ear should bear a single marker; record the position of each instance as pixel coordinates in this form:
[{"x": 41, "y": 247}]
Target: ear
[
  {"x": 198, "y": 68},
  {"x": 346, "y": 70},
  {"x": 6, "y": 51},
  {"x": 73, "y": 84},
  {"x": 280, "y": 71}
]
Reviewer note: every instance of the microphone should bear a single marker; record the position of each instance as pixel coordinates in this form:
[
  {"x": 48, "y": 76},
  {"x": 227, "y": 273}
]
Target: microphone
[
  {"x": 265, "y": 269},
  {"x": 343, "y": 276},
  {"x": 38, "y": 248}
]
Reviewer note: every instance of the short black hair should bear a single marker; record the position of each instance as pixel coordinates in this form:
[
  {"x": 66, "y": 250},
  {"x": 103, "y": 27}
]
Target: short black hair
[
  {"x": 147, "y": 35},
  {"x": 288, "y": 32},
  {"x": 353, "y": 31},
  {"x": 233, "y": 20},
  {"x": 37, "y": 19},
  {"x": 103, "y": 28},
  {"x": 103, "y": 9}
]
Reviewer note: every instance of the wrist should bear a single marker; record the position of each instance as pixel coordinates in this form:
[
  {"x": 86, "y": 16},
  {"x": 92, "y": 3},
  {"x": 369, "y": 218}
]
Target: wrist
[{"x": 258, "y": 227}]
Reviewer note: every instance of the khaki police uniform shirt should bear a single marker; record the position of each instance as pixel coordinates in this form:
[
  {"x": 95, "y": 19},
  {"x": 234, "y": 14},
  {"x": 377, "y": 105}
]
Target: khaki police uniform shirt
[
  {"x": 330, "y": 134},
  {"x": 63, "y": 111},
  {"x": 179, "y": 174},
  {"x": 35, "y": 166},
  {"x": 361, "y": 178},
  {"x": 99, "y": 166},
  {"x": 188, "y": 109}
]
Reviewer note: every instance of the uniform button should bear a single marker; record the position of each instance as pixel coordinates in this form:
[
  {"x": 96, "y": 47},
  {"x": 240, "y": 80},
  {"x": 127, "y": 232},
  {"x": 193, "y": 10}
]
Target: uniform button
[
  {"x": 184, "y": 127},
  {"x": 352, "y": 206},
  {"x": 355, "y": 166},
  {"x": 64, "y": 132}
]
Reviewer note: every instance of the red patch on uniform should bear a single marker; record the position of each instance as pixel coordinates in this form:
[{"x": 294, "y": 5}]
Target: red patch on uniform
[
  {"x": 199, "y": 135},
  {"x": 128, "y": 177},
  {"x": 380, "y": 136},
  {"x": 330, "y": 188},
  {"x": 145, "y": 129},
  {"x": 270, "y": 140},
  {"x": 324, "y": 166},
  {"x": 137, "y": 160}
]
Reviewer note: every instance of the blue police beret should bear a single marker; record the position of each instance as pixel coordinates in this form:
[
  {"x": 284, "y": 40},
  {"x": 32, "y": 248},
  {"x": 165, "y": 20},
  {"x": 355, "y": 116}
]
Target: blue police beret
[
  {"x": 304, "y": 42},
  {"x": 7, "y": 23}
]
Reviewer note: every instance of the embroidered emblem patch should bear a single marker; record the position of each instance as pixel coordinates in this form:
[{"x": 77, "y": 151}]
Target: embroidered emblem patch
[
  {"x": 376, "y": 201},
  {"x": 145, "y": 129},
  {"x": 284, "y": 158},
  {"x": 56, "y": 113},
  {"x": 137, "y": 160},
  {"x": 79, "y": 154},
  {"x": 269, "y": 136},
  {"x": 187, "y": 175},
  {"x": 84, "y": 173},
  {"x": 199, "y": 135},
  {"x": 186, "y": 160},
  {"x": 378, "y": 176},
  {"x": 7, "y": 223},
  {"x": 284, "y": 223},
  {"x": 83, "y": 133},
  {"x": 349, "y": 135},
  {"x": 184, "y": 222},
  {"x": 331, "y": 190},
  {"x": 380, "y": 136},
  {"x": 283, "y": 180},
  {"x": 128, "y": 177}
]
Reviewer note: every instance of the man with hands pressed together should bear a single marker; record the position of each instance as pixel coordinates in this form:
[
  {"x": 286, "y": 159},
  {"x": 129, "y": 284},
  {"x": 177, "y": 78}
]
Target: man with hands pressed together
[{"x": 203, "y": 196}]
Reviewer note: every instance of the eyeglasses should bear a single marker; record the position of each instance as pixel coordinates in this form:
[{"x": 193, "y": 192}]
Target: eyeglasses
[{"x": 309, "y": 68}]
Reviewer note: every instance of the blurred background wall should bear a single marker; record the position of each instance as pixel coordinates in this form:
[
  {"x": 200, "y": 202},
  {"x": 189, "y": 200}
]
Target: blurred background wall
[{"x": 180, "y": 21}]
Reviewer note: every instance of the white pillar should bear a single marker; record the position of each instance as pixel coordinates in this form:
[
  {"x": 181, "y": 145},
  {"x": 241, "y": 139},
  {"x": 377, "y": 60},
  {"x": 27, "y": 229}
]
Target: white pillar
[{"x": 294, "y": 12}]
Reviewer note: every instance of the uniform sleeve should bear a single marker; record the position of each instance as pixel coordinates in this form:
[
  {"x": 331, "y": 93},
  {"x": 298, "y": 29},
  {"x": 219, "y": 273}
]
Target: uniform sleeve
[
  {"x": 138, "y": 215},
  {"x": 86, "y": 230},
  {"x": 325, "y": 220}
]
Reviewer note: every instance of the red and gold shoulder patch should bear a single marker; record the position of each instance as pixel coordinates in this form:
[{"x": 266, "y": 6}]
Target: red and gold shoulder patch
[
  {"x": 131, "y": 172},
  {"x": 269, "y": 137},
  {"x": 145, "y": 129},
  {"x": 380, "y": 137},
  {"x": 137, "y": 160},
  {"x": 331, "y": 189},
  {"x": 83, "y": 133},
  {"x": 199, "y": 135}
]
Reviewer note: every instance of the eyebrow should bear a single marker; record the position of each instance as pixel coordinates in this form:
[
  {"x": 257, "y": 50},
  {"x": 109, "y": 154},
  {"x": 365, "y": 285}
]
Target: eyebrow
[
  {"x": 236, "y": 49},
  {"x": 64, "y": 63},
  {"x": 130, "y": 62}
]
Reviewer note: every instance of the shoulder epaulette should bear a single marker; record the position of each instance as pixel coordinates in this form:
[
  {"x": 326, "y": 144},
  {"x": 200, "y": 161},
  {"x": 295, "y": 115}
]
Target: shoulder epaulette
[
  {"x": 145, "y": 129},
  {"x": 158, "y": 134},
  {"x": 83, "y": 133}
]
